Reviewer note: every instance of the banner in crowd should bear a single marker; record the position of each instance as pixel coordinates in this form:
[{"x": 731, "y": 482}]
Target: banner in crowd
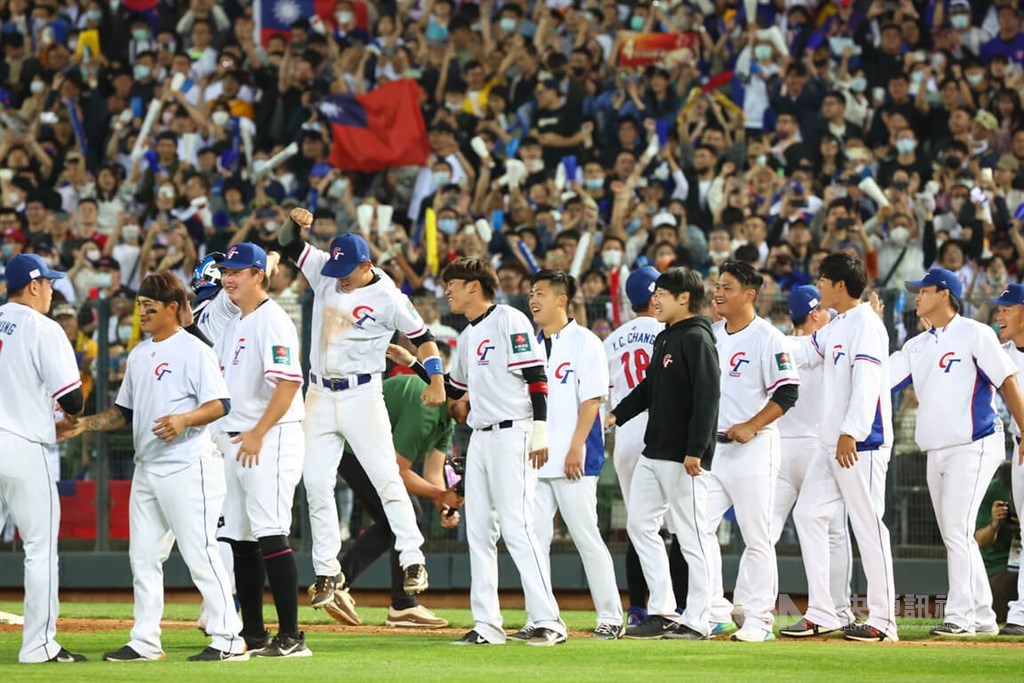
[
  {"x": 277, "y": 16},
  {"x": 647, "y": 49},
  {"x": 382, "y": 129}
]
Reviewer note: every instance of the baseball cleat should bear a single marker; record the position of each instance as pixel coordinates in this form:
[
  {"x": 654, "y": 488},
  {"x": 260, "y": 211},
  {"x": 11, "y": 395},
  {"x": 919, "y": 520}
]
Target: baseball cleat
[
  {"x": 415, "y": 579},
  {"x": 322, "y": 590},
  {"x": 863, "y": 633},
  {"x": 635, "y": 616},
  {"x": 545, "y": 637},
  {"x": 417, "y": 616},
  {"x": 949, "y": 630},
  {"x": 738, "y": 615},
  {"x": 685, "y": 633},
  {"x": 212, "y": 654},
  {"x": 990, "y": 630},
  {"x": 471, "y": 638},
  {"x": 65, "y": 657},
  {"x": 285, "y": 646},
  {"x": 342, "y": 608},
  {"x": 805, "y": 628},
  {"x": 1012, "y": 630},
  {"x": 608, "y": 631},
  {"x": 652, "y": 628},
  {"x": 524, "y": 633},
  {"x": 254, "y": 644},
  {"x": 127, "y": 654},
  {"x": 752, "y": 634},
  {"x": 721, "y": 628}
]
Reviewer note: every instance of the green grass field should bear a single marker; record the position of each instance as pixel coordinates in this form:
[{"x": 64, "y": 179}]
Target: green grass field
[{"x": 417, "y": 657}]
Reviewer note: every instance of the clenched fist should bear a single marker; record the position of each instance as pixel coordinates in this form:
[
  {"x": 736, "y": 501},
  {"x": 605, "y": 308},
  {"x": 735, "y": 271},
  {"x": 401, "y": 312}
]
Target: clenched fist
[{"x": 302, "y": 217}]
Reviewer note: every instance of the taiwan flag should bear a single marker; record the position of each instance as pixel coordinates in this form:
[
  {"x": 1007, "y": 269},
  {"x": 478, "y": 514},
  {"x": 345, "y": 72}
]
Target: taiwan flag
[
  {"x": 381, "y": 129},
  {"x": 277, "y": 16}
]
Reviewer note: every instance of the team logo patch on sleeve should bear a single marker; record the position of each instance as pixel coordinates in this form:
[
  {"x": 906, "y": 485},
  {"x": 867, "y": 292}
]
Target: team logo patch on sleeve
[
  {"x": 282, "y": 355},
  {"x": 520, "y": 342},
  {"x": 783, "y": 361}
]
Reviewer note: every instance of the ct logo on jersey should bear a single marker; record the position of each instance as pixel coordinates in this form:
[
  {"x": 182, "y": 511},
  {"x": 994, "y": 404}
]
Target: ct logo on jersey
[
  {"x": 947, "y": 360},
  {"x": 161, "y": 370},
  {"x": 362, "y": 314},
  {"x": 563, "y": 371},
  {"x": 667, "y": 360},
  {"x": 482, "y": 349},
  {"x": 737, "y": 361},
  {"x": 238, "y": 350},
  {"x": 837, "y": 353}
]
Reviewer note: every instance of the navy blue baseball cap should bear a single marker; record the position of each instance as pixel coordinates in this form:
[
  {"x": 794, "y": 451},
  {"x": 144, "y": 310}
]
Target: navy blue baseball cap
[
  {"x": 347, "y": 251},
  {"x": 803, "y": 300},
  {"x": 244, "y": 255},
  {"x": 25, "y": 268},
  {"x": 640, "y": 285},
  {"x": 941, "y": 278},
  {"x": 1013, "y": 295}
]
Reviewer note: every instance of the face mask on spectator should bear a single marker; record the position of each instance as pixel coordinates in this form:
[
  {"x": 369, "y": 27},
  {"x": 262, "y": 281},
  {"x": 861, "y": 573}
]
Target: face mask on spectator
[
  {"x": 167, "y": 117},
  {"x": 50, "y": 261},
  {"x": 636, "y": 22},
  {"x": 448, "y": 226},
  {"x": 899, "y": 235},
  {"x": 220, "y": 117},
  {"x": 593, "y": 183},
  {"x": 453, "y": 106},
  {"x": 859, "y": 84},
  {"x": 535, "y": 165},
  {"x": 633, "y": 226},
  {"x": 103, "y": 280},
  {"x": 762, "y": 52},
  {"x": 960, "y": 21},
  {"x": 92, "y": 255},
  {"x": 124, "y": 332},
  {"x": 507, "y": 25},
  {"x": 37, "y": 87},
  {"x": 612, "y": 258},
  {"x": 719, "y": 255},
  {"x": 130, "y": 232},
  {"x": 917, "y": 76},
  {"x": 94, "y": 15},
  {"x": 337, "y": 189},
  {"x": 141, "y": 72},
  {"x": 761, "y": 159},
  {"x": 8, "y": 251},
  {"x": 166, "y": 191},
  {"x": 270, "y": 227},
  {"x": 905, "y": 145},
  {"x": 436, "y": 32},
  {"x": 442, "y": 178},
  {"x": 140, "y": 35},
  {"x": 343, "y": 17},
  {"x": 975, "y": 78}
]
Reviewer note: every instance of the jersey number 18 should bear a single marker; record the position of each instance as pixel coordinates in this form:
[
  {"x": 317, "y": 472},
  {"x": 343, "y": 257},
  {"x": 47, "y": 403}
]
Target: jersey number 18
[{"x": 640, "y": 362}]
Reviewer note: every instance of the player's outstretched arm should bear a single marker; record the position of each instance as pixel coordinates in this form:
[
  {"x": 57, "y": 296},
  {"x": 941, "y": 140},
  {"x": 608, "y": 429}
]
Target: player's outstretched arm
[
  {"x": 169, "y": 427},
  {"x": 110, "y": 419},
  {"x": 289, "y": 236},
  {"x": 429, "y": 355}
]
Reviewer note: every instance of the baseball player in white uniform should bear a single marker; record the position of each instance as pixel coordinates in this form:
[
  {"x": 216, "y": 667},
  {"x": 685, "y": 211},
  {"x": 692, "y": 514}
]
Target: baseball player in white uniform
[
  {"x": 37, "y": 367},
  {"x": 629, "y": 349},
  {"x": 499, "y": 363},
  {"x": 759, "y": 384},
  {"x": 172, "y": 389},
  {"x": 567, "y": 482},
  {"x": 356, "y": 311},
  {"x": 259, "y": 355},
  {"x": 1010, "y": 318},
  {"x": 850, "y": 467},
  {"x": 800, "y": 430},
  {"x": 955, "y": 367}
]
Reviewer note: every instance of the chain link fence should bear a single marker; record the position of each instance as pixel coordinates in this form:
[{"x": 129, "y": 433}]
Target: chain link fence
[{"x": 96, "y": 470}]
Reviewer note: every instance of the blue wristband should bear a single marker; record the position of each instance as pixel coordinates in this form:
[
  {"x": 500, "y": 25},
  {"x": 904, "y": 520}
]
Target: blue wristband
[{"x": 433, "y": 366}]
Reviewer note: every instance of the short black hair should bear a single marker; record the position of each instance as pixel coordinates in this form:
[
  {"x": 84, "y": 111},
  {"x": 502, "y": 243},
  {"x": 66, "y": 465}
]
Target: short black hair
[
  {"x": 842, "y": 267},
  {"x": 473, "y": 270},
  {"x": 745, "y": 274},
  {"x": 682, "y": 280},
  {"x": 559, "y": 280}
]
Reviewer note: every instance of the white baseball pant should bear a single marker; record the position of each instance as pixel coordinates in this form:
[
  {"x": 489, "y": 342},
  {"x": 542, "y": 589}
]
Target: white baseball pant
[
  {"x": 797, "y": 456},
  {"x": 743, "y": 477},
  {"x": 259, "y": 498},
  {"x": 957, "y": 480},
  {"x": 185, "y": 506},
  {"x": 359, "y": 416},
  {"x": 577, "y": 503},
  {"x": 629, "y": 444},
  {"x": 500, "y": 486},
  {"x": 862, "y": 487},
  {"x": 29, "y": 496},
  {"x": 661, "y": 489},
  {"x": 1015, "y": 615},
  {"x": 224, "y": 447}
]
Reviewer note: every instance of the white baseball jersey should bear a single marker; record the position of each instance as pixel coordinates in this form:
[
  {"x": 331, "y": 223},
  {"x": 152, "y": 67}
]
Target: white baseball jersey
[
  {"x": 803, "y": 419},
  {"x": 577, "y": 371},
  {"x": 629, "y": 349},
  {"x": 854, "y": 351},
  {"x": 1017, "y": 358},
  {"x": 351, "y": 330},
  {"x": 955, "y": 371},
  {"x": 488, "y": 363},
  {"x": 755, "y": 362},
  {"x": 213, "y": 315},
  {"x": 174, "y": 376},
  {"x": 255, "y": 353},
  {"x": 37, "y": 366}
]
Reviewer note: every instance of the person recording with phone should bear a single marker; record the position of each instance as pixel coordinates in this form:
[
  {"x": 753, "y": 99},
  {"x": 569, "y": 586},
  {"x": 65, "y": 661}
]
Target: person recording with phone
[{"x": 997, "y": 531}]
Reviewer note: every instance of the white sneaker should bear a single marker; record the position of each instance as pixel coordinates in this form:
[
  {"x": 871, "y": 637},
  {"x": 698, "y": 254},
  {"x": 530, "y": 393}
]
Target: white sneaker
[
  {"x": 414, "y": 617},
  {"x": 987, "y": 630},
  {"x": 753, "y": 634}
]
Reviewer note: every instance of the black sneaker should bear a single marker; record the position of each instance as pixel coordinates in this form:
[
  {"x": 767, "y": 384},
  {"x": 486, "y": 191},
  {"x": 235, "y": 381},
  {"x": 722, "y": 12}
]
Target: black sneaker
[
  {"x": 285, "y": 646},
  {"x": 682, "y": 632},
  {"x": 608, "y": 631},
  {"x": 1012, "y": 630},
  {"x": 322, "y": 591},
  {"x": 415, "y": 579},
  {"x": 212, "y": 654},
  {"x": 471, "y": 638},
  {"x": 254, "y": 644},
  {"x": 949, "y": 630},
  {"x": 863, "y": 633},
  {"x": 523, "y": 634},
  {"x": 65, "y": 657},
  {"x": 654, "y": 626},
  {"x": 805, "y": 628},
  {"x": 126, "y": 654},
  {"x": 545, "y": 637}
]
